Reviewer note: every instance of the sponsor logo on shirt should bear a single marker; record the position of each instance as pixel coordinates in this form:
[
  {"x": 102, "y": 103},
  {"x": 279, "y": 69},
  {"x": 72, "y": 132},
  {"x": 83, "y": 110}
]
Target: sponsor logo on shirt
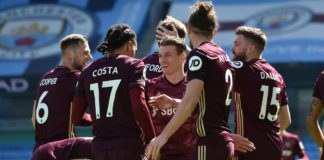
[{"x": 195, "y": 63}]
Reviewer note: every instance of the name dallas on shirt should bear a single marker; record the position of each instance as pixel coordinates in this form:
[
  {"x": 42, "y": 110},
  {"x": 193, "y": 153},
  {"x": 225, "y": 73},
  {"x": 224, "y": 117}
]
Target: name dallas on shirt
[
  {"x": 104, "y": 70},
  {"x": 266, "y": 75}
]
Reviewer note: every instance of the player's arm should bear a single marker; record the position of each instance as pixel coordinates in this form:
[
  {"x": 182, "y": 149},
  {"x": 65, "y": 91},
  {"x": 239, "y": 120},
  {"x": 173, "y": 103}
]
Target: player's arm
[
  {"x": 242, "y": 144},
  {"x": 313, "y": 115},
  {"x": 86, "y": 120},
  {"x": 33, "y": 118},
  {"x": 141, "y": 112},
  {"x": 79, "y": 117},
  {"x": 184, "y": 110},
  {"x": 163, "y": 101},
  {"x": 284, "y": 117}
]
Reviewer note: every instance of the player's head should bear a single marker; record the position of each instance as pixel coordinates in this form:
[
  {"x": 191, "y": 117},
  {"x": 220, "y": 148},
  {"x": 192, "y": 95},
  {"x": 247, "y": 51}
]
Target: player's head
[
  {"x": 120, "y": 39},
  {"x": 203, "y": 20},
  {"x": 75, "y": 51},
  {"x": 172, "y": 54},
  {"x": 249, "y": 43},
  {"x": 167, "y": 23}
]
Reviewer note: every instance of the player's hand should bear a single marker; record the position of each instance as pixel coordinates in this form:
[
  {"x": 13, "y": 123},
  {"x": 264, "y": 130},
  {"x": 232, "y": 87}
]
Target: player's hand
[
  {"x": 160, "y": 102},
  {"x": 153, "y": 149},
  {"x": 242, "y": 144},
  {"x": 162, "y": 32}
]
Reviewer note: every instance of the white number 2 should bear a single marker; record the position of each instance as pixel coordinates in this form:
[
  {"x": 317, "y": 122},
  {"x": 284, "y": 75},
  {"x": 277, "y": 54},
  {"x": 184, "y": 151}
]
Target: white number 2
[
  {"x": 105, "y": 84},
  {"x": 41, "y": 105},
  {"x": 228, "y": 79},
  {"x": 274, "y": 101}
]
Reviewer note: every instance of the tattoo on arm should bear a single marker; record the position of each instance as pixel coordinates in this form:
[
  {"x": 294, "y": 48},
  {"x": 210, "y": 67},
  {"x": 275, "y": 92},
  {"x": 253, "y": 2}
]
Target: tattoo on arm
[{"x": 316, "y": 105}]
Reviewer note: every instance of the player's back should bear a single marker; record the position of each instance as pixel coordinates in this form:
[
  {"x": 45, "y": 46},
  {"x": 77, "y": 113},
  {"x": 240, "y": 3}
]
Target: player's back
[
  {"x": 106, "y": 84},
  {"x": 211, "y": 64},
  {"x": 259, "y": 91},
  {"x": 152, "y": 66},
  {"x": 292, "y": 146},
  {"x": 53, "y": 105}
]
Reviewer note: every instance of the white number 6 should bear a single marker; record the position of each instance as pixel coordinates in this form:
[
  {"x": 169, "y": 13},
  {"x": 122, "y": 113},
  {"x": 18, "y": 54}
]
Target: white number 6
[{"x": 40, "y": 105}]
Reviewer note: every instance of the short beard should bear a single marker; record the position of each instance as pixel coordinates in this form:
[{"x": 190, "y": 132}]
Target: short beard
[
  {"x": 239, "y": 58},
  {"x": 77, "y": 66}
]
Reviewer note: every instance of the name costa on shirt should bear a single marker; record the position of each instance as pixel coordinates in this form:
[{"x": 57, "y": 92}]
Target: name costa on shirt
[
  {"x": 153, "y": 67},
  {"x": 266, "y": 75},
  {"x": 48, "y": 81},
  {"x": 104, "y": 70}
]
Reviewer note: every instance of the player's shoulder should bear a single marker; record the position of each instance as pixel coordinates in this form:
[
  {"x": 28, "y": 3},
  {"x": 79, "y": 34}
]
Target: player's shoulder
[
  {"x": 149, "y": 57},
  {"x": 62, "y": 72},
  {"x": 321, "y": 75},
  {"x": 128, "y": 59}
]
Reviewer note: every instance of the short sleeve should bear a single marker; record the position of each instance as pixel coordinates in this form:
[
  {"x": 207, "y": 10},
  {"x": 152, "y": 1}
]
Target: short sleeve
[
  {"x": 284, "y": 97},
  {"x": 197, "y": 65}
]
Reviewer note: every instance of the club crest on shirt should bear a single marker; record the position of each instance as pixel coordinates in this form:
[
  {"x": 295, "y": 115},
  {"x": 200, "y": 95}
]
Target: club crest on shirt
[
  {"x": 195, "y": 63},
  {"x": 237, "y": 64}
]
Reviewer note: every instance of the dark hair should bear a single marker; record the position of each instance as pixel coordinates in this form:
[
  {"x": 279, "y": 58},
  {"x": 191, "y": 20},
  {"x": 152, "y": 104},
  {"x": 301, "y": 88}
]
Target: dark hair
[
  {"x": 255, "y": 35},
  {"x": 72, "y": 40},
  {"x": 176, "y": 41},
  {"x": 169, "y": 21},
  {"x": 117, "y": 35},
  {"x": 203, "y": 18}
]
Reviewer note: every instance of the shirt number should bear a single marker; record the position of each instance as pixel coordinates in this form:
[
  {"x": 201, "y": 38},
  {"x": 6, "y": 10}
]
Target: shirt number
[
  {"x": 228, "y": 79},
  {"x": 274, "y": 102},
  {"x": 42, "y": 106},
  {"x": 94, "y": 87}
]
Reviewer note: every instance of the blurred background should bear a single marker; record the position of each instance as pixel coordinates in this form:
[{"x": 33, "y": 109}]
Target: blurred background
[{"x": 30, "y": 31}]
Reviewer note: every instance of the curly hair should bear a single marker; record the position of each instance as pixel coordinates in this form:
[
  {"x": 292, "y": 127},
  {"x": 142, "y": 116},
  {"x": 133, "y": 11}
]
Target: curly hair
[{"x": 117, "y": 35}]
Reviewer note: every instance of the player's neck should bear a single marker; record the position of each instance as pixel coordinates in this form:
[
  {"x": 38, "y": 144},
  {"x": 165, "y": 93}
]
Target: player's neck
[
  {"x": 282, "y": 132},
  {"x": 198, "y": 40},
  {"x": 64, "y": 63},
  {"x": 252, "y": 56},
  {"x": 176, "y": 77}
]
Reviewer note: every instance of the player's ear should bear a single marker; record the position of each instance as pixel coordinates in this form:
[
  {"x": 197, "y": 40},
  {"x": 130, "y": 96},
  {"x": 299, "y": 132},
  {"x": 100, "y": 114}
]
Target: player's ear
[
  {"x": 182, "y": 56},
  {"x": 68, "y": 53},
  {"x": 214, "y": 32},
  {"x": 251, "y": 48},
  {"x": 129, "y": 45}
]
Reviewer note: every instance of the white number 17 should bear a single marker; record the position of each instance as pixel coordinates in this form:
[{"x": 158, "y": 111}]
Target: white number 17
[{"x": 105, "y": 84}]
